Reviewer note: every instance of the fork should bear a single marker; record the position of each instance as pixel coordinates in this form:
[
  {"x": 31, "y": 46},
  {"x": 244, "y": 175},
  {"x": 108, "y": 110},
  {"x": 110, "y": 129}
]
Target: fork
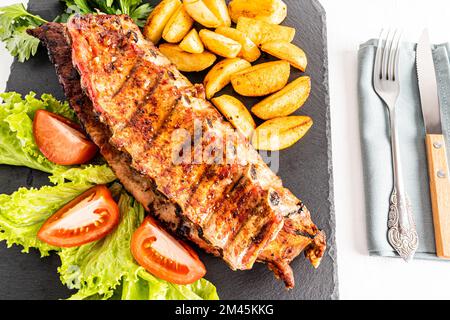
[{"x": 402, "y": 233}]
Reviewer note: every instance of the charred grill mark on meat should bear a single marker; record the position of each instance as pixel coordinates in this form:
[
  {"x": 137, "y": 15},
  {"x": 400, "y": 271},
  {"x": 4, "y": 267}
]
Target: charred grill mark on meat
[{"x": 270, "y": 224}]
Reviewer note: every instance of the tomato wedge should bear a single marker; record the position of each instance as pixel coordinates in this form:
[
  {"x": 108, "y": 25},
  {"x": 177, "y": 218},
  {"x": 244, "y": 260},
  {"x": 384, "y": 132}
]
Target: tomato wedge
[
  {"x": 60, "y": 140},
  {"x": 87, "y": 218},
  {"x": 164, "y": 256}
]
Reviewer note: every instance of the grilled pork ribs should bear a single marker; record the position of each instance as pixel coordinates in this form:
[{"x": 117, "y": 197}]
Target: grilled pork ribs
[{"x": 133, "y": 102}]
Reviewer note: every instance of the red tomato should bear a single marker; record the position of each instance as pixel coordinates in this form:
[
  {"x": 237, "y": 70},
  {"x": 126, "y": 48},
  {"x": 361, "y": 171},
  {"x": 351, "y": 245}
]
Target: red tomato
[
  {"x": 88, "y": 218},
  {"x": 164, "y": 256},
  {"x": 60, "y": 140}
]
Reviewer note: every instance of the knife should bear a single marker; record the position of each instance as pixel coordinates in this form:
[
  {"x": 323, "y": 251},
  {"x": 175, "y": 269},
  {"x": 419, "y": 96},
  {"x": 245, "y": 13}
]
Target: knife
[{"x": 435, "y": 145}]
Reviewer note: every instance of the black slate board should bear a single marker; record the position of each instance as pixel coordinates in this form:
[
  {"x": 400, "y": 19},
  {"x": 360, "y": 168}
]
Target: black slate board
[{"x": 306, "y": 169}]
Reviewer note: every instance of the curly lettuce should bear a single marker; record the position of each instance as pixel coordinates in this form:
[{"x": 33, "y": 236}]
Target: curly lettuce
[
  {"x": 24, "y": 212},
  {"x": 106, "y": 269},
  {"x": 17, "y": 145}
]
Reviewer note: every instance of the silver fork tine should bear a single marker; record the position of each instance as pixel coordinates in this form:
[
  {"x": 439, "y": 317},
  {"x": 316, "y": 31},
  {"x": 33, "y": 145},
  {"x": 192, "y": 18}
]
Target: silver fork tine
[
  {"x": 385, "y": 61},
  {"x": 378, "y": 58},
  {"x": 397, "y": 56},
  {"x": 392, "y": 52}
]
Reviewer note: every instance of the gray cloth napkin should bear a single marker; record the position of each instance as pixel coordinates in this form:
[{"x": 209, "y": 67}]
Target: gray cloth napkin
[{"x": 376, "y": 147}]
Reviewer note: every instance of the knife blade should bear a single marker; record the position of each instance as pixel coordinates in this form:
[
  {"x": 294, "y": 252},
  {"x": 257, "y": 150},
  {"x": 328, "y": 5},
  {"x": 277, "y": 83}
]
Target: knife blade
[{"x": 435, "y": 145}]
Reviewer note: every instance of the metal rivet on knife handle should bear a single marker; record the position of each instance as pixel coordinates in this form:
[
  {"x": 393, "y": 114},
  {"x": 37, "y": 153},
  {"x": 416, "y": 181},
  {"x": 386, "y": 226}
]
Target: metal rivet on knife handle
[{"x": 441, "y": 174}]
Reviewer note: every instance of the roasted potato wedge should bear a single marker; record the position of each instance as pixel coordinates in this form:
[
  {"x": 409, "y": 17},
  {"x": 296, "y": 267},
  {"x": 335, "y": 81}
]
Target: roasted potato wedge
[
  {"x": 235, "y": 112},
  {"x": 185, "y": 61},
  {"x": 198, "y": 10},
  {"x": 178, "y": 26},
  {"x": 287, "y": 51},
  {"x": 272, "y": 11},
  {"x": 192, "y": 43},
  {"x": 220, "y": 75},
  {"x": 281, "y": 133},
  {"x": 262, "y": 79},
  {"x": 220, "y": 44},
  {"x": 220, "y": 10},
  {"x": 249, "y": 51},
  {"x": 261, "y": 32},
  {"x": 159, "y": 18},
  {"x": 284, "y": 102}
]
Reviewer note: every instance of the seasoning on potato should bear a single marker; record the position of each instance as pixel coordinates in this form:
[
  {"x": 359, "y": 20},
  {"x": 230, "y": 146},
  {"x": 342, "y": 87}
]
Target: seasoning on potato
[
  {"x": 284, "y": 102},
  {"x": 235, "y": 112},
  {"x": 272, "y": 11},
  {"x": 192, "y": 43},
  {"x": 185, "y": 61},
  {"x": 281, "y": 133},
  {"x": 220, "y": 44},
  {"x": 220, "y": 10},
  {"x": 261, "y": 32},
  {"x": 287, "y": 51},
  {"x": 220, "y": 75},
  {"x": 249, "y": 51},
  {"x": 158, "y": 19},
  {"x": 262, "y": 79},
  {"x": 198, "y": 10},
  {"x": 178, "y": 26}
]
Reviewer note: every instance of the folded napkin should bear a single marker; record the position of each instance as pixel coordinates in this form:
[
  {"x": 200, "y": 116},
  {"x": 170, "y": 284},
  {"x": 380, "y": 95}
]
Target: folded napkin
[{"x": 376, "y": 146}]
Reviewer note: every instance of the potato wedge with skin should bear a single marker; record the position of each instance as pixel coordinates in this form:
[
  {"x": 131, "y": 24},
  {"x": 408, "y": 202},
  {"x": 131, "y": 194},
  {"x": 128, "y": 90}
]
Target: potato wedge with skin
[
  {"x": 219, "y": 44},
  {"x": 159, "y": 18},
  {"x": 281, "y": 133},
  {"x": 235, "y": 112},
  {"x": 262, "y": 79},
  {"x": 198, "y": 10},
  {"x": 178, "y": 26},
  {"x": 249, "y": 51},
  {"x": 220, "y": 75},
  {"x": 185, "y": 61},
  {"x": 220, "y": 10},
  {"x": 192, "y": 43},
  {"x": 287, "y": 51},
  {"x": 284, "y": 102},
  {"x": 261, "y": 32},
  {"x": 272, "y": 11}
]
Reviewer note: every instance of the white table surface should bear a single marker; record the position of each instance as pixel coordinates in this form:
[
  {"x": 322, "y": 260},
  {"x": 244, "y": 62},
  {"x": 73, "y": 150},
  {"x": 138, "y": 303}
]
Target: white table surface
[{"x": 351, "y": 22}]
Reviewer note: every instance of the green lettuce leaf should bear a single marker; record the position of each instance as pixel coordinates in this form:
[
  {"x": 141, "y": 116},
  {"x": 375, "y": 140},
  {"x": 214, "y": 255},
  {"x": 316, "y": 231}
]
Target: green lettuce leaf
[
  {"x": 24, "y": 212},
  {"x": 94, "y": 174},
  {"x": 106, "y": 269},
  {"x": 17, "y": 145}
]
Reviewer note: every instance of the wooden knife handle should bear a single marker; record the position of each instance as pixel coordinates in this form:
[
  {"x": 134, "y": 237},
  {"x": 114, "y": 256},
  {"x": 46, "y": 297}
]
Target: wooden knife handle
[{"x": 440, "y": 192}]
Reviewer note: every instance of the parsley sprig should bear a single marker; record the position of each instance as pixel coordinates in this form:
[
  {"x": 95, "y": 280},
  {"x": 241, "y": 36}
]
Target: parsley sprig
[
  {"x": 136, "y": 9},
  {"x": 15, "y": 20}
]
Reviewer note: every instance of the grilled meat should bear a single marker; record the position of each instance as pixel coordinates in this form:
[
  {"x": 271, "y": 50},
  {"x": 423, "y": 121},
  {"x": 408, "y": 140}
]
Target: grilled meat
[{"x": 137, "y": 102}]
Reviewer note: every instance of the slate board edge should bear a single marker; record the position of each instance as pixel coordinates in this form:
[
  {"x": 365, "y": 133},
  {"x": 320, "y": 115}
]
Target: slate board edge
[{"x": 332, "y": 251}]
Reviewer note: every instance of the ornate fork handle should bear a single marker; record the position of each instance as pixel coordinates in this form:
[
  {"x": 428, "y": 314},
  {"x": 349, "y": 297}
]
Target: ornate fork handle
[{"x": 402, "y": 234}]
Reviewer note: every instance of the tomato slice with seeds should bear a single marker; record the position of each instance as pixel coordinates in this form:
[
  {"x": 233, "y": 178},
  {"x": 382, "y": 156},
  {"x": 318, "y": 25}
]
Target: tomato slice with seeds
[
  {"x": 61, "y": 140},
  {"x": 164, "y": 256},
  {"x": 87, "y": 218}
]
